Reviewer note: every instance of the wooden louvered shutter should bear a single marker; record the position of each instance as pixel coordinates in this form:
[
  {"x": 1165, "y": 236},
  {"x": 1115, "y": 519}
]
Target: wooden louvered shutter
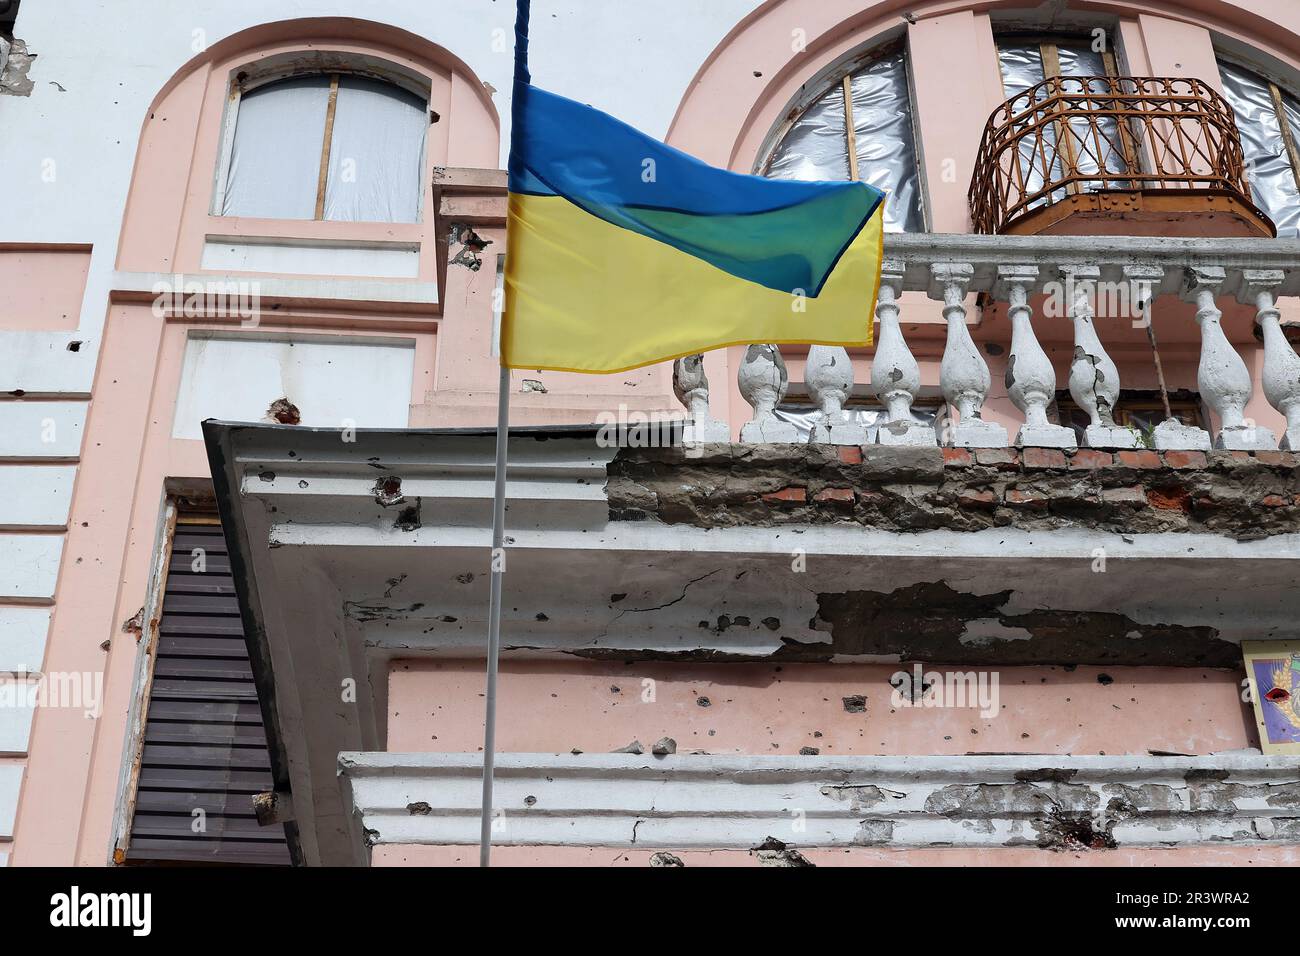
[{"x": 204, "y": 743}]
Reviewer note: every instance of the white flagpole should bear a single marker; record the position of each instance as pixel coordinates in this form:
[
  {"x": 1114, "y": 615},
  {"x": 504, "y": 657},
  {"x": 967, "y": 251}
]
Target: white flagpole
[{"x": 494, "y": 616}]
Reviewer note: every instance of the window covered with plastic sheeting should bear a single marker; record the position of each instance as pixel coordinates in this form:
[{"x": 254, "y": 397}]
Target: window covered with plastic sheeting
[
  {"x": 881, "y": 150},
  {"x": 804, "y": 416},
  {"x": 1268, "y": 119},
  {"x": 337, "y": 147},
  {"x": 1069, "y": 142}
]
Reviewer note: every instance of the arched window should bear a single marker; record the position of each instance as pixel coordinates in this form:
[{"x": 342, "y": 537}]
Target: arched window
[
  {"x": 1268, "y": 118},
  {"x": 875, "y": 103},
  {"x": 335, "y": 146}
]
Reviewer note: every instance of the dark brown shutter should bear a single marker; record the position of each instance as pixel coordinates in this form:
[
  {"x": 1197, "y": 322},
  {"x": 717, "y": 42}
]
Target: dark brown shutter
[{"x": 204, "y": 744}]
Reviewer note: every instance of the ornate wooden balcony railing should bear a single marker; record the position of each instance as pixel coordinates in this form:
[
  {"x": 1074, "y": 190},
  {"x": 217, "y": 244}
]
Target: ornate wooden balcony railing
[{"x": 1076, "y": 139}]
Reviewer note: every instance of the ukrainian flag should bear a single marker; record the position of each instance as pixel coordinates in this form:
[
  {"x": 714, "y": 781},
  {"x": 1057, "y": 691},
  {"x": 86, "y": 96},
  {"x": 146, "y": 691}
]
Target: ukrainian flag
[{"x": 622, "y": 251}]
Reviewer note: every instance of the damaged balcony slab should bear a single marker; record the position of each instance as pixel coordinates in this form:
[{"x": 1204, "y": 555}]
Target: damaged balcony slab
[
  {"x": 1239, "y": 494},
  {"x": 349, "y": 555},
  {"x": 693, "y": 801}
]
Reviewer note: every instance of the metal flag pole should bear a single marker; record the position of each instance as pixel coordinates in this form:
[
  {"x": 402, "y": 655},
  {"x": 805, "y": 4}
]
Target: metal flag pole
[
  {"x": 499, "y": 499},
  {"x": 494, "y": 615}
]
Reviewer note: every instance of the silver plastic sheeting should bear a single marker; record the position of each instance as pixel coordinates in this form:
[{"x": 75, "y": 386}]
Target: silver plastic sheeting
[
  {"x": 275, "y": 161},
  {"x": 804, "y": 417},
  {"x": 1271, "y": 178},
  {"x": 816, "y": 145},
  {"x": 1022, "y": 68},
  {"x": 1093, "y": 155},
  {"x": 884, "y": 139},
  {"x": 376, "y": 154}
]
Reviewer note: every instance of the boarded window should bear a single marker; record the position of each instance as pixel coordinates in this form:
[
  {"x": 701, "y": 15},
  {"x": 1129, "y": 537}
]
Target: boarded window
[
  {"x": 337, "y": 147},
  {"x": 205, "y": 752}
]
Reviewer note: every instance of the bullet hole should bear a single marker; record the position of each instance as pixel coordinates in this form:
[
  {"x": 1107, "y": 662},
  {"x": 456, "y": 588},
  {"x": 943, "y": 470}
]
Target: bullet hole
[
  {"x": 663, "y": 858},
  {"x": 465, "y": 578},
  {"x": 284, "y": 412},
  {"x": 615, "y": 689},
  {"x": 703, "y": 702},
  {"x": 857, "y": 704},
  {"x": 530, "y": 800},
  {"x": 408, "y": 519},
  {"x": 1105, "y": 680},
  {"x": 267, "y": 476},
  {"x": 302, "y": 483},
  {"x": 419, "y": 808},
  {"x": 74, "y": 346},
  {"x": 388, "y": 491},
  {"x": 542, "y": 617},
  {"x": 758, "y": 73},
  {"x": 615, "y": 598},
  {"x": 808, "y": 751}
]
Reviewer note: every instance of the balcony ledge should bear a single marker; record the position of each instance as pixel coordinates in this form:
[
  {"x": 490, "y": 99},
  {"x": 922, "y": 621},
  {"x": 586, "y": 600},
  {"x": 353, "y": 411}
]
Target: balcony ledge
[{"x": 697, "y": 801}]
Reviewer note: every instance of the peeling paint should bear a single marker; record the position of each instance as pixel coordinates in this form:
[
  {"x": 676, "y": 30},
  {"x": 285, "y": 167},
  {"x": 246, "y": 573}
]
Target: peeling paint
[
  {"x": 15, "y": 79},
  {"x": 932, "y": 622}
]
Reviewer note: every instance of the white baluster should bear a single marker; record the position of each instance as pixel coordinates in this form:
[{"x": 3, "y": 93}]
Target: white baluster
[
  {"x": 1030, "y": 378},
  {"x": 1281, "y": 376},
  {"x": 895, "y": 376},
  {"x": 1094, "y": 379},
  {"x": 763, "y": 381},
  {"x": 1222, "y": 376},
  {"x": 691, "y": 386},
  {"x": 828, "y": 373},
  {"x": 963, "y": 373}
]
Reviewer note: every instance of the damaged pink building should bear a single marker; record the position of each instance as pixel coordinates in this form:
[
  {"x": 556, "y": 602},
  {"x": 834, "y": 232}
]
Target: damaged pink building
[{"x": 984, "y": 593}]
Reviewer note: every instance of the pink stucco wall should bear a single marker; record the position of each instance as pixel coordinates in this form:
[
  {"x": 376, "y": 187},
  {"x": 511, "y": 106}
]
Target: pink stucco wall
[
  {"x": 556, "y": 706},
  {"x": 72, "y": 777}
]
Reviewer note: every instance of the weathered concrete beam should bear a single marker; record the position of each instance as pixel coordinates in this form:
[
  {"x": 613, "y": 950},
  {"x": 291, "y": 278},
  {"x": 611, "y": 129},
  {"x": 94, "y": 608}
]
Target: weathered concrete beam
[{"x": 733, "y": 802}]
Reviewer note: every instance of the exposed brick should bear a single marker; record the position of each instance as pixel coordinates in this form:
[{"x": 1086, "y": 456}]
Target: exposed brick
[
  {"x": 1003, "y": 458},
  {"x": 792, "y": 495},
  {"x": 850, "y": 454},
  {"x": 1274, "y": 501},
  {"x": 1090, "y": 458},
  {"x": 835, "y": 496},
  {"x": 1124, "y": 496},
  {"x": 1185, "y": 459},
  {"x": 1269, "y": 457},
  {"x": 971, "y": 498},
  {"x": 1170, "y": 498},
  {"x": 1144, "y": 458},
  {"x": 956, "y": 457},
  {"x": 1043, "y": 458},
  {"x": 1026, "y": 499}
]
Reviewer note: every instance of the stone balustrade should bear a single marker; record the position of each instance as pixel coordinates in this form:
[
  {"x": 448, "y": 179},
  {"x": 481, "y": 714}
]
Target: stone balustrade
[{"x": 1144, "y": 273}]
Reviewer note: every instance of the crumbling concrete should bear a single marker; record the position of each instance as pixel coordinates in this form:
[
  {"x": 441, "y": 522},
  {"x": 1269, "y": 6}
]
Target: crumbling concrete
[
  {"x": 15, "y": 68},
  {"x": 932, "y": 621},
  {"x": 1241, "y": 495}
]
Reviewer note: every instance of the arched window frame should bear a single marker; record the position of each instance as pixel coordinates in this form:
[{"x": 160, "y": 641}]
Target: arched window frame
[
  {"x": 841, "y": 74},
  {"x": 1243, "y": 59},
  {"x": 287, "y": 66}
]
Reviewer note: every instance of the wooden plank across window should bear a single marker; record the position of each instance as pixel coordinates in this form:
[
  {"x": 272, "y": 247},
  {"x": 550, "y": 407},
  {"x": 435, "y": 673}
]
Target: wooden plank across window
[{"x": 204, "y": 743}]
